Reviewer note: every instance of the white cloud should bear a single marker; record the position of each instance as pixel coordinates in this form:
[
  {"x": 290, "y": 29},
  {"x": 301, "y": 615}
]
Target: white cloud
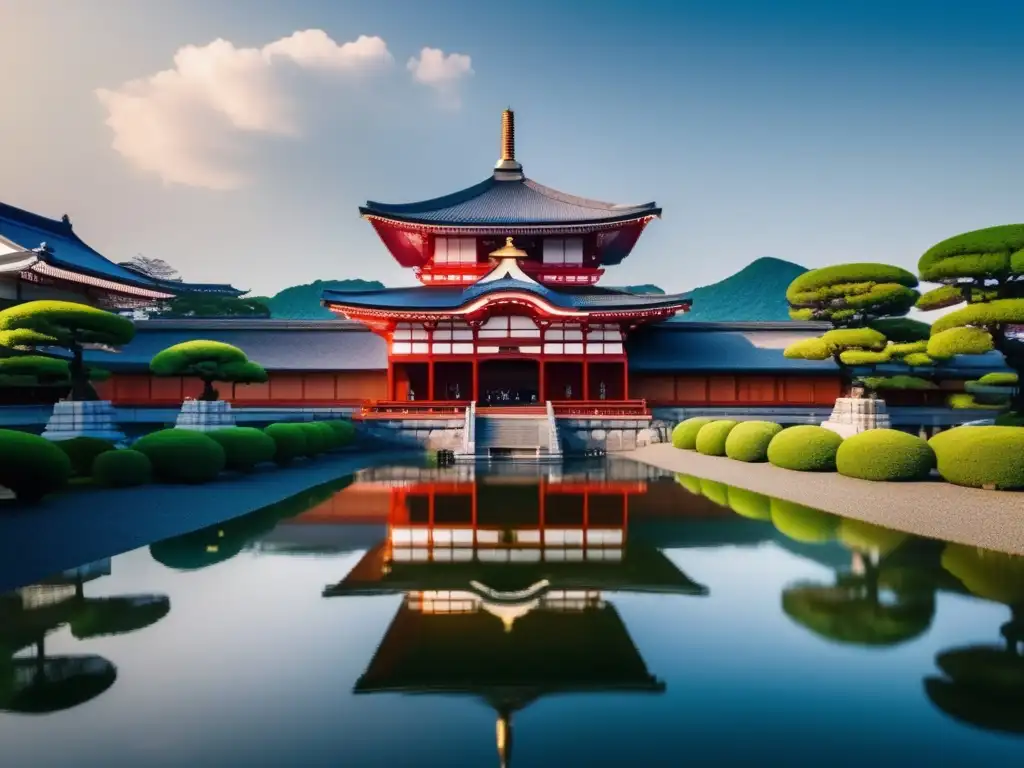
[
  {"x": 183, "y": 124},
  {"x": 443, "y": 72}
]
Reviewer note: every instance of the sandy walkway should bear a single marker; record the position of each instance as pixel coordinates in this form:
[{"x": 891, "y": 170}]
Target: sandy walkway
[{"x": 989, "y": 519}]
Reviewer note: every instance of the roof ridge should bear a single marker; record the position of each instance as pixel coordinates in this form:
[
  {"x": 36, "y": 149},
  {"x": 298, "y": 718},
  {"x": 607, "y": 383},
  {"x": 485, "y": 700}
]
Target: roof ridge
[
  {"x": 582, "y": 202},
  {"x": 434, "y": 203},
  {"x": 36, "y": 221}
]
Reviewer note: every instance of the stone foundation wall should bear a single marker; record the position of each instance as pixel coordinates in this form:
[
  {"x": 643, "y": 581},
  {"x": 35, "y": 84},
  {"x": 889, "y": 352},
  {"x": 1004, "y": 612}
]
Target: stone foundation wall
[
  {"x": 610, "y": 435},
  {"x": 429, "y": 434}
]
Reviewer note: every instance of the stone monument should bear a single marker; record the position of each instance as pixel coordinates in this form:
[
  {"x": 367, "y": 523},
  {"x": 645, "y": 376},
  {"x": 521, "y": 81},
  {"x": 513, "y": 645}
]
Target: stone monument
[
  {"x": 83, "y": 418},
  {"x": 855, "y": 414},
  {"x": 205, "y": 415}
]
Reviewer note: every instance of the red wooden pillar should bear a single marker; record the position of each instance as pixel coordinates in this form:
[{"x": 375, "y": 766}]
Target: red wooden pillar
[
  {"x": 430, "y": 380},
  {"x": 476, "y": 385},
  {"x": 586, "y": 380},
  {"x": 541, "y": 384},
  {"x": 625, "y": 380},
  {"x": 391, "y": 380}
]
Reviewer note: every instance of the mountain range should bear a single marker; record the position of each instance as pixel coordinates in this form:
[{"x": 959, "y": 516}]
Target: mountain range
[{"x": 755, "y": 293}]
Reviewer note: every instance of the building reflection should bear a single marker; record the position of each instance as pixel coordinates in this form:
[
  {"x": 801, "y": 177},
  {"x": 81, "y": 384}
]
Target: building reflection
[
  {"x": 40, "y": 683},
  {"x": 505, "y": 583}
]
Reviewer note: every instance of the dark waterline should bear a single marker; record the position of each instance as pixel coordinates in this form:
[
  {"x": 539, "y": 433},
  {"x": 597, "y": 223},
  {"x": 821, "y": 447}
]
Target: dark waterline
[{"x": 699, "y": 624}]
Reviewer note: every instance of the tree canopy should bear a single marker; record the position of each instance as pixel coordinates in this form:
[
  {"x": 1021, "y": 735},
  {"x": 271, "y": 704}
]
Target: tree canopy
[
  {"x": 984, "y": 271},
  {"x": 39, "y": 325},
  {"x": 150, "y": 267},
  {"x": 208, "y": 361},
  {"x": 206, "y": 305}
]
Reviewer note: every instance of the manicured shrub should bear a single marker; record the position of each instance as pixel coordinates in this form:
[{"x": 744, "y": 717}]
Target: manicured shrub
[
  {"x": 345, "y": 432},
  {"x": 981, "y": 456},
  {"x": 711, "y": 437},
  {"x": 289, "y": 442},
  {"x": 1010, "y": 419},
  {"x": 885, "y": 454},
  {"x": 960, "y": 341},
  {"x": 1000, "y": 379},
  {"x": 122, "y": 469},
  {"x": 689, "y": 482},
  {"x": 803, "y": 524},
  {"x": 748, "y": 441},
  {"x": 31, "y": 466},
  {"x": 684, "y": 436},
  {"x": 715, "y": 491},
  {"x": 805, "y": 448},
  {"x": 328, "y": 435},
  {"x": 182, "y": 456},
  {"x": 244, "y": 447},
  {"x": 750, "y": 504},
  {"x": 82, "y": 451},
  {"x": 316, "y": 440}
]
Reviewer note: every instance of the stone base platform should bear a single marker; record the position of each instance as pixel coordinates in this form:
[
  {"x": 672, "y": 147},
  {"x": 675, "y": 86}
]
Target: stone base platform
[
  {"x": 88, "y": 418},
  {"x": 205, "y": 415},
  {"x": 852, "y": 415}
]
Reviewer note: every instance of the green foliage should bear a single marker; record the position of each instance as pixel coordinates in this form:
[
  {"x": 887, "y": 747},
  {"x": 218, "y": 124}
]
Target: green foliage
[
  {"x": 749, "y": 504},
  {"x": 208, "y": 305},
  {"x": 898, "y": 382},
  {"x": 868, "y": 538},
  {"x": 711, "y": 437},
  {"x": 1010, "y": 420},
  {"x": 302, "y": 302},
  {"x": 805, "y": 448},
  {"x": 182, "y": 456},
  {"x": 982, "y": 253},
  {"x": 959, "y": 341},
  {"x": 981, "y": 456},
  {"x": 918, "y": 360},
  {"x": 808, "y": 349},
  {"x": 122, "y": 469},
  {"x": 344, "y": 431},
  {"x": 885, "y": 455},
  {"x": 864, "y": 357},
  {"x": 985, "y": 315},
  {"x": 689, "y": 482},
  {"x": 684, "y": 436},
  {"x": 34, "y": 371},
  {"x": 82, "y": 451},
  {"x": 118, "y": 615},
  {"x": 715, "y": 492},
  {"x": 804, "y": 524},
  {"x": 289, "y": 442},
  {"x": 986, "y": 573},
  {"x": 208, "y": 361},
  {"x": 940, "y": 298},
  {"x": 854, "y": 338},
  {"x": 244, "y": 447},
  {"x": 902, "y": 349},
  {"x": 852, "y": 294},
  {"x": 863, "y": 275},
  {"x": 748, "y": 441},
  {"x": 902, "y": 330},
  {"x": 65, "y": 324},
  {"x": 317, "y": 439},
  {"x": 1000, "y": 379},
  {"x": 31, "y": 466},
  {"x": 965, "y": 402}
]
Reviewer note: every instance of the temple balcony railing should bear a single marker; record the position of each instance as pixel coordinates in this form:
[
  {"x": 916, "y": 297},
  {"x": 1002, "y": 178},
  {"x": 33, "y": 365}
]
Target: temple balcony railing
[
  {"x": 601, "y": 409},
  {"x": 550, "y": 274},
  {"x": 389, "y": 409}
]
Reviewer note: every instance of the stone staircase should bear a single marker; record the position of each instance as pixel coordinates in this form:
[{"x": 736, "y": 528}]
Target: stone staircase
[{"x": 508, "y": 435}]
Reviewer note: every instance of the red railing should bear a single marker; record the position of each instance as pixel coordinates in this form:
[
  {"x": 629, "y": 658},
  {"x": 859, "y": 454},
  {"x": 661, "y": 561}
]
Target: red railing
[
  {"x": 600, "y": 408},
  {"x": 385, "y": 409},
  {"x": 512, "y": 410}
]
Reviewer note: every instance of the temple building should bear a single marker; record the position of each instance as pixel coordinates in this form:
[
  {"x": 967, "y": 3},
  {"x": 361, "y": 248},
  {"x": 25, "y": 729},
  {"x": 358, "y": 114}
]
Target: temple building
[
  {"x": 510, "y": 310},
  {"x": 43, "y": 258}
]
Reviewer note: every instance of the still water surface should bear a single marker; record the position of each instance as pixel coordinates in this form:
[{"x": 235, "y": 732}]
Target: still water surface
[{"x": 577, "y": 616}]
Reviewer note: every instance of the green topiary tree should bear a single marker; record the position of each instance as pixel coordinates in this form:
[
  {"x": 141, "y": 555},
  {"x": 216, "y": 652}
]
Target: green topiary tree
[
  {"x": 244, "y": 447},
  {"x": 83, "y": 451},
  {"x": 182, "y": 456},
  {"x": 39, "y": 325},
  {"x": 984, "y": 270},
  {"x": 208, "y": 361},
  {"x": 289, "y": 442},
  {"x": 993, "y": 391},
  {"x": 31, "y": 466},
  {"x": 122, "y": 469},
  {"x": 711, "y": 437},
  {"x": 981, "y": 457},
  {"x": 864, "y": 303}
]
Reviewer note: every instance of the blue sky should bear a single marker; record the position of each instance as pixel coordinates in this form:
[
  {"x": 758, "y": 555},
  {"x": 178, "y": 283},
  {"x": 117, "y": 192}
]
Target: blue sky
[{"x": 815, "y": 132}]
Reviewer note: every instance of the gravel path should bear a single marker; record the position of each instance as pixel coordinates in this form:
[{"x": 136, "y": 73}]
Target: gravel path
[
  {"x": 77, "y": 527},
  {"x": 939, "y": 510}
]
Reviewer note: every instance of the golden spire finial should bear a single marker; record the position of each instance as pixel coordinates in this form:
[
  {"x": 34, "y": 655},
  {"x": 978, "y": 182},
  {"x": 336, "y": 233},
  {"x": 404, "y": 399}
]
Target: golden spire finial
[
  {"x": 508, "y": 251},
  {"x": 508, "y": 135}
]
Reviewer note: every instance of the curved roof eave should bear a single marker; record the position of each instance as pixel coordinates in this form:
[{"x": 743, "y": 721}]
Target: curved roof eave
[{"x": 501, "y": 225}]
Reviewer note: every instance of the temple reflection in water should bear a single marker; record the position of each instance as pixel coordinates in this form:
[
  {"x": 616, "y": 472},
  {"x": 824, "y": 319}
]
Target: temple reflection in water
[{"x": 504, "y": 580}]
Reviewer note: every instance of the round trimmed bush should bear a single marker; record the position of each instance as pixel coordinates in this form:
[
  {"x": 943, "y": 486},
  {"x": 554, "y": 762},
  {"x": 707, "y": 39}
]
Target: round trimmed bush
[
  {"x": 317, "y": 441},
  {"x": 748, "y": 441},
  {"x": 83, "y": 451},
  {"x": 289, "y": 441},
  {"x": 329, "y": 436},
  {"x": 182, "y": 456},
  {"x": 345, "y": 431},
  {"x": 981, "y": 456},
  {"x": 715, "y": 492},
  {"x": 804, "y": 524},
  {"x": 805, "y": 448},
  {"x": 750, "y": 504},
  {"x": 689, "y": 482},
  {"x": 684, "y": 436},
  {"x": 31, "y": 466},
  {"x": 711, "y": 437},
  {"x": 244, "y": 447},
  {"x": 886, "y": 455},
  {"x": 122, "y": 469}
]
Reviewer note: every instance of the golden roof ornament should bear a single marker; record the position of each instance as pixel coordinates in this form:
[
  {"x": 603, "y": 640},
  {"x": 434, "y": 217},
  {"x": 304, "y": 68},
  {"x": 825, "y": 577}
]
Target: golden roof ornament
[
  {"x": 507, "y": 167},
  {"x": 508, "y": 251}
]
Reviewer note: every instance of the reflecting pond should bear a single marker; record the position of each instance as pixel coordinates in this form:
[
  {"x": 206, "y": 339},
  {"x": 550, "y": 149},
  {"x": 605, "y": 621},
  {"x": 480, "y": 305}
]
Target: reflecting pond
[{"x": 590, "y": 614}]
